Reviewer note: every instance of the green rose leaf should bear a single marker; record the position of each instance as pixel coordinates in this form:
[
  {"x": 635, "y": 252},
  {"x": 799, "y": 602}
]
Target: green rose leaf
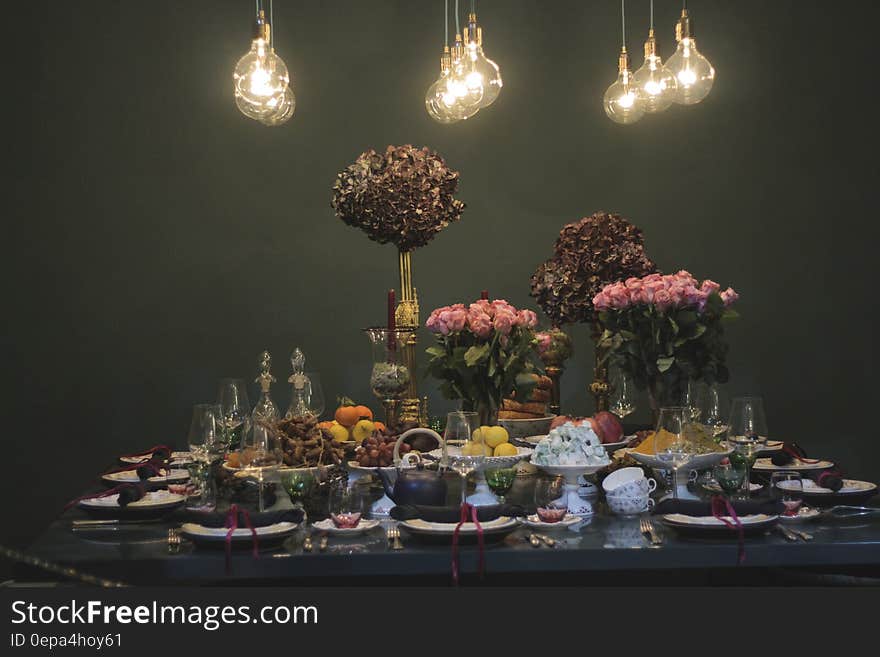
[
  {"x": 475, "y": 354},
  {"x": 665, "y": 362}
]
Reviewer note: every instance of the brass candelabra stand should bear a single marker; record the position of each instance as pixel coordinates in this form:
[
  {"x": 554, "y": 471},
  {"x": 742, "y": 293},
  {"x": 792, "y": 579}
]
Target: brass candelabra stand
[{"x": 406, "y": 316}]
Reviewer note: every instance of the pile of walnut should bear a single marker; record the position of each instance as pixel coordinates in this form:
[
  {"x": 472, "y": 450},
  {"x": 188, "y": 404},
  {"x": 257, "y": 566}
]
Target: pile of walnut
[{"x": 304, "y": 445}]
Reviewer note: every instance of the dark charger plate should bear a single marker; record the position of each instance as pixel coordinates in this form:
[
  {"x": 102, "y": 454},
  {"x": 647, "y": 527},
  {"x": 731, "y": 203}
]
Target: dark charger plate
[{"x": 140, "y": 514}]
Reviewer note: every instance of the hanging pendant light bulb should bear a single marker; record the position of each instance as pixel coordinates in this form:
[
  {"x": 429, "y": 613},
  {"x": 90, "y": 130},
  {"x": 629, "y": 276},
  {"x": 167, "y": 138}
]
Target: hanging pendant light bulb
[
  {"x": 285, "y": 110},
  {"x": 481, "y": 72},
  {"x": 261, "y": 77},
  {"x": 439, "y": 100},
  {"x": 467, "y": 99},
  {"x": 694, "y": 75},
  {"x": 655, "y": 84},
  {"x": 622, "y": 103}
]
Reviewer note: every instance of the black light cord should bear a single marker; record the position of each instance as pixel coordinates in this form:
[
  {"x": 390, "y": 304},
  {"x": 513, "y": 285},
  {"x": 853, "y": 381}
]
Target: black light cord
[
  {"x": 652, "y": 14},
  {"x": 623, "y": 22}
]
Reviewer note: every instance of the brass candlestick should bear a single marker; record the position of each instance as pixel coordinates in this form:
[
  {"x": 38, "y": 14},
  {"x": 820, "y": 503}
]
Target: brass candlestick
[{"x": 407, "y": 317}]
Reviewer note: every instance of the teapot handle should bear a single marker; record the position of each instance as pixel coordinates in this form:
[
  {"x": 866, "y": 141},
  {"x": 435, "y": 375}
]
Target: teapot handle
[{"x": 400, "y": 439}]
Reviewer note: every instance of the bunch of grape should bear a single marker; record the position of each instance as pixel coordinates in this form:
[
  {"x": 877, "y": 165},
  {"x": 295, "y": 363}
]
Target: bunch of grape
[{"x": 378, "y": 451}]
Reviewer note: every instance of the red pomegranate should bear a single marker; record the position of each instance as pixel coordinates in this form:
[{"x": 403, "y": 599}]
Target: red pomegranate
[{"x": 604, "y": 424}]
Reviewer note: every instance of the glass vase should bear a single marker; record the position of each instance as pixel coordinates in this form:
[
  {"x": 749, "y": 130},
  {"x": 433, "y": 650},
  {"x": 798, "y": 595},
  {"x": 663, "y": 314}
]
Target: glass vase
[{"x": 390, "y": 377}]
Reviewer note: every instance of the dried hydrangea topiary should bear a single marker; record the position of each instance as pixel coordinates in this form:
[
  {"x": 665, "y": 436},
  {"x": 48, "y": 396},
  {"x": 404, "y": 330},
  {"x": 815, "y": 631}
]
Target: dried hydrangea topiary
[
  {"x": 404, "y": 196},
  {"x": 589, "y": 254}
]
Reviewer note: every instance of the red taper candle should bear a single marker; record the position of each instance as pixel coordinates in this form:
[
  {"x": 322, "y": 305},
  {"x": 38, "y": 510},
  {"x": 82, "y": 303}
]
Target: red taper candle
[
  {"x": 484, "y": 295},
  {"x": 392, "y": 323}
]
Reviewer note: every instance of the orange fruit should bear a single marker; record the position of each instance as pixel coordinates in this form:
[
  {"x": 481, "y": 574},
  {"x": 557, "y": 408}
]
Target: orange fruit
[
  {"x": 380, "y": 426},
  {"x": 347, "y": 416},
  {"x": 364, "y": 412}
]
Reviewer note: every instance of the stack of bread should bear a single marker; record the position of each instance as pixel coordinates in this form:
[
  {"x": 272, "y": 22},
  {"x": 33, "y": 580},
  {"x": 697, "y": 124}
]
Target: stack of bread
[{"x": 534, "y": 406}]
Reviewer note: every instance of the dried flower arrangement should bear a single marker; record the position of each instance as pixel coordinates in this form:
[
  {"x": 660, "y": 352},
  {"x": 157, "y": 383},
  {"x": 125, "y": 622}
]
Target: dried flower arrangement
[{"x": 404, "y": 195}]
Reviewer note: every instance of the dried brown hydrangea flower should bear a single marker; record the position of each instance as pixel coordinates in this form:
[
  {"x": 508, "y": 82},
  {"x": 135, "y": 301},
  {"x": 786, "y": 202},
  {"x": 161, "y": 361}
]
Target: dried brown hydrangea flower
[
  {"x": 404, "y": 196},
  {"x": 589, "y": 254}
]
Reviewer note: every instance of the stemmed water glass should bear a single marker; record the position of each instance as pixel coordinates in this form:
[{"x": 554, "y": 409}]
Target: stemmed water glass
[
  {"x": 314, "y": 394},
  {"x": 551, "y": 500},
  {"x": 259, "y": 453},
  {"x": 788, "y": 487},
  {"x": 747, "y": 431},
  {"x": 694, "y": 398},
  {"x": 347, "y": 504},
  {"x": 233, "y": 399},
  {"x": 623, "y": 400},
  {"x": 714, "y": 412},
  {"x": 500, "y": 481},
  {"x": 469, "y": 455},
  {"x": 206, "y": 433},
  {"x": 670, "y": 444}
]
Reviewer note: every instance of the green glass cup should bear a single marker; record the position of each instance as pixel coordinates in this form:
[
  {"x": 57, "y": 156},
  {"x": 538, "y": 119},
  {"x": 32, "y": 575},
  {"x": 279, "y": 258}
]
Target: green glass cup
[
  {"x": 730, "y": 477},
  {"x": 500, "y": 480}
]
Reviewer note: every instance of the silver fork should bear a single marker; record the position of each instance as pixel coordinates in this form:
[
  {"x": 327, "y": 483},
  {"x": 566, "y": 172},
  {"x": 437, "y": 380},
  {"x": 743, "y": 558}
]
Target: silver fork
[
  {"x": 648, "y": 530},
  {"x": 394, "y": 536}
]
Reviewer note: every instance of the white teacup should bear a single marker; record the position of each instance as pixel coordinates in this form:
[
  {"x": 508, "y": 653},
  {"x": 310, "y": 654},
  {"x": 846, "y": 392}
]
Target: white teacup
[
  {"x": 634, "y": 488},
  {"x": 621, "y": 477},
  {"x": 629, "y": 506}
]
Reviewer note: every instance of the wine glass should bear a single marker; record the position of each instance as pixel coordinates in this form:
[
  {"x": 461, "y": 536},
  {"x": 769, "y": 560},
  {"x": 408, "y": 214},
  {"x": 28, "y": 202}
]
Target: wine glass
[
  {"x": 500, "y": 481},
  {"x": 788, "y": 487},
  {"x": 259, "y": 452},
  {"x": 747, "y": 420},
  {"x": 551, "y": 502},
  {"x": 347, "y": 505},
  {"x": 314, "y": 394},
  {"x": 694, "y": 398},
  {"x": 206, "y": 433},
  {"x": 670, "y": 444},
  {"x": 233, "y": 399},
  {"x": 714, "y": 411},
  {"x": 623, "y": 400},
  {"x": 468, "y": 454}
]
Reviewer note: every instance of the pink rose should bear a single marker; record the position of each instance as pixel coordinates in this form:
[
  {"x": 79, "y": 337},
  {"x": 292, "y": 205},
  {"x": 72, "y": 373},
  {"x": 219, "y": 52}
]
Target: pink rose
[
  {"x": 655, "y": 286},
  {"x": 503, "y": 321},
  {"x": 602, "y": 301},
  {"x": 528, "y": 318},
  {"x": 434, "y": 323},
  {"x": 709, "y": 286},
  {"x": 729, "y": 296},
  {"x": 693, "y": 296},
  {"x": 652, "y": 277},
  {"x": 662, "y": 300},
  {"x": 620, "y": 298},
  {"x": 633, "y": 283},
  {"x": 457, "y": 319},
  {"x": 480, "y": 325},
  {"x": 644, "y": 296}
]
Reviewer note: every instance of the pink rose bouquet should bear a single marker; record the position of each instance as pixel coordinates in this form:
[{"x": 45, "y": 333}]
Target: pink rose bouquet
[
  {"x": 482, "y": 353},
  {"x": 664, "y": 330}
]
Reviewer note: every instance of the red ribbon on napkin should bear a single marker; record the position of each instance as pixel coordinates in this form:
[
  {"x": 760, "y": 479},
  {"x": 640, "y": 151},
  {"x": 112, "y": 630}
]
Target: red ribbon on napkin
[
  {"x": 797, "y": 453},
  {"x": 828, "y": 473},
  {"x": 467, "y": 509},
  {"x": 232, "y": 525},
  {"x": 147, "y": 452},
  {"x": 155, "y": 467},
  {"x": 94, "y": 496},
  {"x": 721, "y": 506}
]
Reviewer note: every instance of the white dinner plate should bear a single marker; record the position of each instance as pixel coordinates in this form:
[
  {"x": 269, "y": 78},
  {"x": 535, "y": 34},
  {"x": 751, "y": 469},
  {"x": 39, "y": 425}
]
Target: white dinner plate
[
  {"x": 715, "y": 488},
  {"x": 176, "y": 457},
  {"x": 810, "y": 487},
  {"x": 218, "y": 534},
  {"x": 131, "y": 477},
  {"x": 156, "y": 499},
  {"x": 448, "y": 528},
  {"x": 535, "y": 522},
  {"x": 712, "y": 521},
  {"x": 797, "y": 464},
  {"x": 804, "y": 513},
  {"x": 363, "y": 526}
]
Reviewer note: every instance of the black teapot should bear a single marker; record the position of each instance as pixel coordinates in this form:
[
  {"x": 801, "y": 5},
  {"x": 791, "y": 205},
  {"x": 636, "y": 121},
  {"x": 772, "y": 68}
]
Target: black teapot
[{"x": 414, "y": 484}]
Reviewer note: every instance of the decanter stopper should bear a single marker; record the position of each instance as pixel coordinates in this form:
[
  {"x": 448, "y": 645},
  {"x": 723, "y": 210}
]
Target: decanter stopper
[{"x": 265, "y": 409}]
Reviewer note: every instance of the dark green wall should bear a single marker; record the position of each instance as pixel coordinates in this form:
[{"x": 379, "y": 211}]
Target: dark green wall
[{"x": 157, "y": 240}]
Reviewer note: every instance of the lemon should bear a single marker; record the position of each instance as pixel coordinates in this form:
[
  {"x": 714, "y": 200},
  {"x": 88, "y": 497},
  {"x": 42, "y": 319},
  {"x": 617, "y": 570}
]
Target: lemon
[
  {"x": 487, "y": 451},
  {"x": 505, "y": 449},
  {"x": 339, "y": 433},
  {"x": 362, "y": 430},
  {"x": 479, "y": 435},
  {"x": 495, "y": 436},
  {"x": 472, "y": 449}
]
